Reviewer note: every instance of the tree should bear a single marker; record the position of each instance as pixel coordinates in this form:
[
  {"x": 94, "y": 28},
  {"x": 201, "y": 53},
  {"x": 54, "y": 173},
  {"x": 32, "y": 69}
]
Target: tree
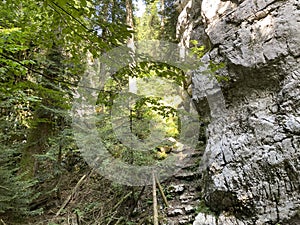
[
  {"x": 44, "y": 46},
  {"x": 158, "y": 22},
  {"x": 162, "y": 13},
  {"x": 148, "y": 26}
]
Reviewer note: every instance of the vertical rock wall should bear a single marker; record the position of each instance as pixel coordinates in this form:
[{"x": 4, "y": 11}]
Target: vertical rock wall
[{"x": 251, "y": 165}]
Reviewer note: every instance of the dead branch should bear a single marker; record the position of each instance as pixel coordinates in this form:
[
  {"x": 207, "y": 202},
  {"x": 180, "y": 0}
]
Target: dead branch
[
  {"x": 113, "y": 212},
  {"x": 121, "y": 201},
  {"x": 119, "y": 220},
  {"x": 155, "y": 211},
  {"x": 74, "y": 191},
  {"x": 161, "y": 192}
]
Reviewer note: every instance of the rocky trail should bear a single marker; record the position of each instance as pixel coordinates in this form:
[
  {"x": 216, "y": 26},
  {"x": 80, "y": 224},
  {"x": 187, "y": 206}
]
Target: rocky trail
[{"x": 183, "y": 193}]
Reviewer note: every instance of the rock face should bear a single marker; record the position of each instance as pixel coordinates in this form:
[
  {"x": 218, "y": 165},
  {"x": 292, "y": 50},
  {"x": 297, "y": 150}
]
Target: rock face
[{"x": 251, "y": 165}]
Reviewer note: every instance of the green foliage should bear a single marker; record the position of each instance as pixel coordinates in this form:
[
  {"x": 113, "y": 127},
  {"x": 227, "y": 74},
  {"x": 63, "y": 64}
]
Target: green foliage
[
  {"x": 168, "y": 32},
  {"x": 199, "y": 51},
  {"x": 147, "y": 109},
  {"x": 16, "y": 102},
  {"x": 148, "y": 70},
  {"x": 16, "y": 193},
  {"x": 130, "y": 223},
  {"x": 154, "y": 104},
  {"x": 153, "y": 109},
  {"x": 148, "y": 26},
  {"x": 44, "y": 46},
  {"x": 213, "y": 68},
  {"x": 203, "y": 208}
]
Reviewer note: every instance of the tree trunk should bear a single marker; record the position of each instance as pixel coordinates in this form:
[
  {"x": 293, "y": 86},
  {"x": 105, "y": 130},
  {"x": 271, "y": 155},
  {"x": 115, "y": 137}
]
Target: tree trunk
[
  {"x": 129, "y": 20},
  {"x": 130, "y": 43},
  {"x": 162, "y": 8}
]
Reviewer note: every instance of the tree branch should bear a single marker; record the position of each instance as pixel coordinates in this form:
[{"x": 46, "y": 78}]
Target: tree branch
[
  {"x": 48, "y": 77},
  {"x": 161, "y": 192}
]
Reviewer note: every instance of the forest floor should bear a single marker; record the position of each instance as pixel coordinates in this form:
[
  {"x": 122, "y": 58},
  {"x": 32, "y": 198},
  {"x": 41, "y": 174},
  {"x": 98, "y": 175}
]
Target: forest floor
[{"x": 89, "y": 198}]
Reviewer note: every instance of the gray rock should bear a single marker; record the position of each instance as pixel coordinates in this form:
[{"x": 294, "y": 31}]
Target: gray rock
[
  {"x": 185, "y": 198},
  {"x": 177, "y": 188},
  {"x": 292, "y": 124},
  {"x": 251, "y": 165},
  {"x": 175, "y": 212},
  {"x": 186, "y": 175},
  {"x": 189, "y": 209},
  {"x": 185, "y": 219},
  {"x": 207, "y": 219}
]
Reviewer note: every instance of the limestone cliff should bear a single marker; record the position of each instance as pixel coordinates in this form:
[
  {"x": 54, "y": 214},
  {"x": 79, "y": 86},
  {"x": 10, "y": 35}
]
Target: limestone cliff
[{"x": 251, "y": 165}]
